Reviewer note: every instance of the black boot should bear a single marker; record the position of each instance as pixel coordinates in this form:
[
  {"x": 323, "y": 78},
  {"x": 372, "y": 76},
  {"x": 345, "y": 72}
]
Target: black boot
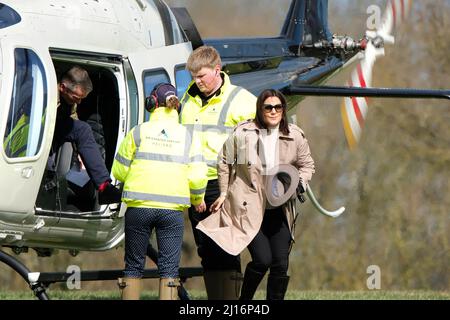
[
  {"x": 276, "y": 287},
  {"x": 252, "y": 279}
]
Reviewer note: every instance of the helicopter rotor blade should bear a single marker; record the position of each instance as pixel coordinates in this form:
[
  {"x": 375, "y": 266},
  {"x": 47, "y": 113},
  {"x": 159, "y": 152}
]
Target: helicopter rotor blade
[{"x": 354, "y": 109}]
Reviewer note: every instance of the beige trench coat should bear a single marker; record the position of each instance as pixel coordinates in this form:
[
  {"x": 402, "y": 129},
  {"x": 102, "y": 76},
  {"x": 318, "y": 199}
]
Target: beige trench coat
[{"x": 240, "y": 171}]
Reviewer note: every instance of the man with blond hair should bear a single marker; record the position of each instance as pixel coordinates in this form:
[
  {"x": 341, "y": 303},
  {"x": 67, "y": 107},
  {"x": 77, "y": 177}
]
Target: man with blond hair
[{"x": 211, "y": 108}]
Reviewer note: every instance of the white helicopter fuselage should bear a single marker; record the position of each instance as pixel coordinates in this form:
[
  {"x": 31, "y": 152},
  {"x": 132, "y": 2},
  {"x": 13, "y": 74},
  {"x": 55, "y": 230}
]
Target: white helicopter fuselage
[
  {"x": 124, "y": 47},
  {"x": 107, "y": 26}
]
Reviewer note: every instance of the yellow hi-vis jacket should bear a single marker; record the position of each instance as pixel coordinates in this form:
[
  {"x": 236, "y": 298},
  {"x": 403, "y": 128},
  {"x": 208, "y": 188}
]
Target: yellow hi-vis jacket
[
  {"x": 214, "y": 122},
  {"x": 160, "y": 164},
  {"x": 16, "y": 143}
]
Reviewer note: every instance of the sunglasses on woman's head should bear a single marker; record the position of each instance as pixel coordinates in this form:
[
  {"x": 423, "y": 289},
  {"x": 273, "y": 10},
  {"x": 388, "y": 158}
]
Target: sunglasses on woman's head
[{"x": 268, "y": 107}]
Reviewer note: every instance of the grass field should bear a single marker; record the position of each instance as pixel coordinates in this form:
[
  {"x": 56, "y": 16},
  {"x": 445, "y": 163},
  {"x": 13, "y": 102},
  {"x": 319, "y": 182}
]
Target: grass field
[{"x": 260, "y": 295}]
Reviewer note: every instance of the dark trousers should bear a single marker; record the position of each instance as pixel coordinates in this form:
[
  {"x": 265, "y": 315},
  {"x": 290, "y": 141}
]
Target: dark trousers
[
  {"x": 79, "y": 132},
  {"x": 270, "y": 248},
  {"x": 213, "y": 258},
  {"x": 169, "y": 226}
]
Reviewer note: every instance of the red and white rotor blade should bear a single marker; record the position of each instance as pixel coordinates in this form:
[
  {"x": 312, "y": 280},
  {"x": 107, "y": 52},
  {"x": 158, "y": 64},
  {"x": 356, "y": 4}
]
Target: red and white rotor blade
[{"x": 354, "y": 109}]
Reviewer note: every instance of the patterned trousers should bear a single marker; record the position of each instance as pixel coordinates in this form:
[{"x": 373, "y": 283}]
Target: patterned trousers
[{"x": 169, "y": 226}]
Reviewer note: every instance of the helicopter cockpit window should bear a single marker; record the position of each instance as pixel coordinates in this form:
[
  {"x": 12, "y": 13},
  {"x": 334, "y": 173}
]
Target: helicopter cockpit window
[
  {"x": 176, "y": 30},
  {"x": 26, "y": 118},
  {"x": 151, "y": 79},
  {"x": 182, "y": 79},
  {"x": 8, "y": 16}
]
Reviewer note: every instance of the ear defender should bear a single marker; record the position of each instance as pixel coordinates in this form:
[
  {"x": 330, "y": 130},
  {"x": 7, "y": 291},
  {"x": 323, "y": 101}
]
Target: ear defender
[
  {"x": 162, "y": 96},
  {"x": 151, "y": 103}
]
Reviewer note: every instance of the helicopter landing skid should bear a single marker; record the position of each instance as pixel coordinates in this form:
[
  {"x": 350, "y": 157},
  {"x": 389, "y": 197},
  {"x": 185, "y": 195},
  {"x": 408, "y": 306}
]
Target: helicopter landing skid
[
  {"x": 37, "y": 287},
  {"x": 40, "y": 281}
]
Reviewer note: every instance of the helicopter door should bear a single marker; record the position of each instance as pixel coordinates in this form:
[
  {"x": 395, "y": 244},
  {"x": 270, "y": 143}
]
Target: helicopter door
[
  {"x": 28, "y": 99},
  {"x": 152, "y": 65}
]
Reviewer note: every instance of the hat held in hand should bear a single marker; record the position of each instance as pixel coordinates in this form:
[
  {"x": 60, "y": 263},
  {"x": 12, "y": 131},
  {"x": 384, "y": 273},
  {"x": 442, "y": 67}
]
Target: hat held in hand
[
  {"x": 281, "y": 185},
  {"x": 163, "y": 95}
]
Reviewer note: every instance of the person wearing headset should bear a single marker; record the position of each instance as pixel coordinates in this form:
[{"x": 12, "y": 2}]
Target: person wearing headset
[{"x": 159, "y": 163}]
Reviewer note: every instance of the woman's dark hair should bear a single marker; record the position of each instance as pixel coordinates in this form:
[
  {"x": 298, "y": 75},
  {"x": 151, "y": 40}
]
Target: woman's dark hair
[{"x": 259, "y": 119}]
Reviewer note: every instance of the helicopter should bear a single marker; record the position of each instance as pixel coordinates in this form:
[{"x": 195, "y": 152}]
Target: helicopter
[{"x": 128, "y": 47}]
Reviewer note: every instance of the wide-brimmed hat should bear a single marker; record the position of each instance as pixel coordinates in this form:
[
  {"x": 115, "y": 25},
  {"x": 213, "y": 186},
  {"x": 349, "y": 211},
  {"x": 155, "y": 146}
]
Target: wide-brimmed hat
[{"x": 281, "y": 184}]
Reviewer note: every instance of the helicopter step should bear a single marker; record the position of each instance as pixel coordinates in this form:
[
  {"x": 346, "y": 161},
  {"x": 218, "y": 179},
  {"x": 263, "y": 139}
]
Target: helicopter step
[{"x": 40, "y": 281}]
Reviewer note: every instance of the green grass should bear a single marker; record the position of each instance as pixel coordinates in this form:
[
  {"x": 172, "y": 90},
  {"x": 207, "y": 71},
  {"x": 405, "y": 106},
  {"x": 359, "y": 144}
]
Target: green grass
[{"x": 260, "y": 295}]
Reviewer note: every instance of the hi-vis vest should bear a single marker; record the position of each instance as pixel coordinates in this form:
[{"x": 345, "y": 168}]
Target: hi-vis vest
[
  {"x": 160, "y": 164},
  {"x": 15, "y": 144},
  {"x": 214, "y": 122}
]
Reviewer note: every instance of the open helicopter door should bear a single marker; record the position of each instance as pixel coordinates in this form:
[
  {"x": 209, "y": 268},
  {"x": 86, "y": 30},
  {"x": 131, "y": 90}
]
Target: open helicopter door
[
  {"x": 163, "y": 64},
  {"x": 28, "y": 99}
]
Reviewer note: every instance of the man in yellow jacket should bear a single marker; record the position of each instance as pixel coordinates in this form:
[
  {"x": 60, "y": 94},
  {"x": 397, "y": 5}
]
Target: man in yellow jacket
[
  {"x": 211, "y": 108},
  {"x": 162, "y": 171}
]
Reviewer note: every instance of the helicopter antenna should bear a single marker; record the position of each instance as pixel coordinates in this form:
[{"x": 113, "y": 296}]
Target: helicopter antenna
[{"x": 333, "y": 214}]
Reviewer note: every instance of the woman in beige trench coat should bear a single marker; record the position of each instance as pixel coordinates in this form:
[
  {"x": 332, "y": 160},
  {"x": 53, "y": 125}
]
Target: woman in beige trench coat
[{"x": 242, "y": 215}]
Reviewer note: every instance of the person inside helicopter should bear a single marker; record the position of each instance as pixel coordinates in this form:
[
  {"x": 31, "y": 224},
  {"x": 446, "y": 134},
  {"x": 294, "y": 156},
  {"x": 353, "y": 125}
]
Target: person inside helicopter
[{"x": 74, "y": 86}]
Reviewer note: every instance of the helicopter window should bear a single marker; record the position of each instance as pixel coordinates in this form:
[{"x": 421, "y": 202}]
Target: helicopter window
[
  {"x": 8, "y": 16},
  {"x": 24, "y": 130},
  {"x": 182, "y": 79},
  {"x": 151, "y": 79},
  {"x": 178, "y": 36}
]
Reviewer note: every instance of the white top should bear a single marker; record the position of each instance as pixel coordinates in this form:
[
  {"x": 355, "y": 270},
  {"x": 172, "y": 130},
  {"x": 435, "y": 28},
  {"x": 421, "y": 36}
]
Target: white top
[{"x": 269, "y": 140}]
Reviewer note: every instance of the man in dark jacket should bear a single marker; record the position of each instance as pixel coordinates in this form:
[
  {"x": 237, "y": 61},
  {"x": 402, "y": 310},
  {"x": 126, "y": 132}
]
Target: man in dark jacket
[{"x": 73, "y": 87}]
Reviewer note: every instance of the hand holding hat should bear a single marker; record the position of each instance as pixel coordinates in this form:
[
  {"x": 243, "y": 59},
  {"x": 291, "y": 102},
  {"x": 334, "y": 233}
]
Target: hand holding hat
[{"x": 281, "y": 185}]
